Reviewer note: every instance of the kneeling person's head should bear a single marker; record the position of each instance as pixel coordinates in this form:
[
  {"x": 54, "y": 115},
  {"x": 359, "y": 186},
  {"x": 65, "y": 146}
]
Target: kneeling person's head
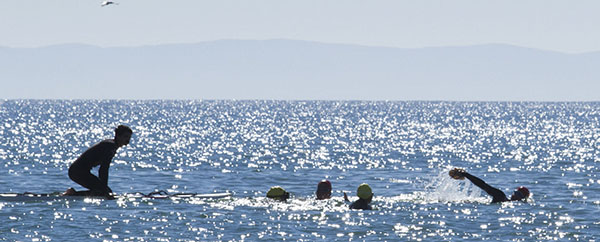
[{"x": 123, "y": 135}]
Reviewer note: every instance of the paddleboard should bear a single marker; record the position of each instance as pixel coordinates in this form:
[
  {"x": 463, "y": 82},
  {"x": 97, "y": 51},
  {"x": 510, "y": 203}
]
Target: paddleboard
[{"x": 23, "y": 197}]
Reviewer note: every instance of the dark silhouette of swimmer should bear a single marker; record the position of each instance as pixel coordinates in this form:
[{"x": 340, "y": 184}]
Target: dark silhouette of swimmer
[
  {"x": 101, "y": 154},
  {"x": 323, "y": 190},
  {"x": 365, "y": 195},
  {"x": 521, "y": 193}
]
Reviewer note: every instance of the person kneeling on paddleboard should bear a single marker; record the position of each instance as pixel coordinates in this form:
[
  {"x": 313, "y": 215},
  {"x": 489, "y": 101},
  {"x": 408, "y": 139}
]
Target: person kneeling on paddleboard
[
  {"x": 521, "y": 193},
  {"x": 101, "y": 154}
]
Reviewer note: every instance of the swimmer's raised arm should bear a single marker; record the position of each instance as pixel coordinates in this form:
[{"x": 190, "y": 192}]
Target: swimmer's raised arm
[{"x": 497, "y": 195}]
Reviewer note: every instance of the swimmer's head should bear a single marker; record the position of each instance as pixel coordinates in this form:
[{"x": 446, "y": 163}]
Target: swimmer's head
[
  {"x": 278, "y": 193},
  {"x": 520, "y": 193},
  {"x": 324, "y": 190},
  {"x": 364, "y": 192}
]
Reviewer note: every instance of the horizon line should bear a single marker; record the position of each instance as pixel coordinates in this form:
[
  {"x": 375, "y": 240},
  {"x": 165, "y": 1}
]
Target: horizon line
[{"x": 297, "y": 40}]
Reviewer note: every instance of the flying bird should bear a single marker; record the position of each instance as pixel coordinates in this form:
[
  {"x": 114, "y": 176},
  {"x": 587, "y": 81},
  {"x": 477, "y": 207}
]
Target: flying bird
[{"x": 106, "y": 3}]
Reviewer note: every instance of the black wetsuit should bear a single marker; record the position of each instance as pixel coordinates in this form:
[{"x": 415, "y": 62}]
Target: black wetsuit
[
  {"x": 497, "y": 195},
  {"x": 80, "y": 171},
  {"x": 360, "y": 204}
]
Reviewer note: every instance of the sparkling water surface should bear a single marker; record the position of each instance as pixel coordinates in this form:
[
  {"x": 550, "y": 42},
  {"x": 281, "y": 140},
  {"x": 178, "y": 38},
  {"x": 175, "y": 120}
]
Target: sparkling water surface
[{"x": 403, "y": 150}]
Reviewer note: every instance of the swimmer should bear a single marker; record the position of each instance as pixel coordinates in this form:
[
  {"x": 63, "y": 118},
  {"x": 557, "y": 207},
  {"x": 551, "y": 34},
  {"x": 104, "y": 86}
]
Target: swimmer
[
  {"x": 101, "y": 154},
  {"x": 323, "y": 190},
  {"x": 520, "y": 194},
  {"x": 365, "y": 195},
  {"x": 278, "y": 193}
]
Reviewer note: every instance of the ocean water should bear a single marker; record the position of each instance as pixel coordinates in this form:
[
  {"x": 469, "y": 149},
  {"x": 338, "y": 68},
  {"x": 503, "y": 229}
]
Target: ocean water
[{"x": 403, "y": 150}]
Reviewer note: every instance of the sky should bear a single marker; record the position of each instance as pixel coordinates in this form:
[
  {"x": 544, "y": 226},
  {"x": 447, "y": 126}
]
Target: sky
[{"x": 565, "y": 26}]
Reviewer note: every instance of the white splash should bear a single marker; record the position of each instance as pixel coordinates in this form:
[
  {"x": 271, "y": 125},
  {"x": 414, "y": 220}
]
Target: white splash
[{"x": 442, "y": 188}]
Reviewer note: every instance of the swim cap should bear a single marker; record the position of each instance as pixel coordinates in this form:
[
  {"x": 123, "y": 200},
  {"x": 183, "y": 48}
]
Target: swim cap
[
  {"x": 523, "y": 190},
  {"x": 324, "y": 186},
  {"x": 276, "y": 192},
  {"x": 364, "y": 191}
]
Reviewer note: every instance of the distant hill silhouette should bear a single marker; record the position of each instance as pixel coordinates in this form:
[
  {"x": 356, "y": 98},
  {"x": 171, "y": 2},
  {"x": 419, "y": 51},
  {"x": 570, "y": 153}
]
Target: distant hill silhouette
[{"x": 289, "y": 69}]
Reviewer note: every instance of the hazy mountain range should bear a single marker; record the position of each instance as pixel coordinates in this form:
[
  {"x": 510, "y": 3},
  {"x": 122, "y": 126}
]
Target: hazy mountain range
[{"x": 288, "y": 69}]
